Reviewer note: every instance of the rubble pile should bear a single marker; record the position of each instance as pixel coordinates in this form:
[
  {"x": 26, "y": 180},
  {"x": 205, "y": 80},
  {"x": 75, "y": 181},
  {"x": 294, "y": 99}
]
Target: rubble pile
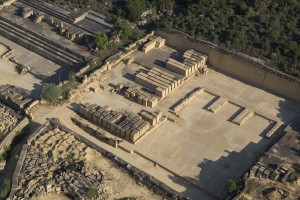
[
  {"x": 7, "y": 120},
  {"x": 13, "y": 98},
  {"x": 56, "y": 162}
]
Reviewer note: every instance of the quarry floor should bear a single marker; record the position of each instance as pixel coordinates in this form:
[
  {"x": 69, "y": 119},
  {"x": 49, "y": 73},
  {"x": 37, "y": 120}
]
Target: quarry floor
[
  {"x": 200, "y": 151},
  {"x": 40, "y": 67},
  {"x": 9, "y": 74}
]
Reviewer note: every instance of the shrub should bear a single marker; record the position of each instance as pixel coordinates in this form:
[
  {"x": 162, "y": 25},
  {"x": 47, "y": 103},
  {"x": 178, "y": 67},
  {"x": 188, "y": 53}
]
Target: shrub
[{"x": 51, "y": 92}]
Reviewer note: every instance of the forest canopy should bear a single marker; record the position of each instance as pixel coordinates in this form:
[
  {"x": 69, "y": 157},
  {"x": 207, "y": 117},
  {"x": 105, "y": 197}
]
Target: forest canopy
[{"x": 262, "y": 28}]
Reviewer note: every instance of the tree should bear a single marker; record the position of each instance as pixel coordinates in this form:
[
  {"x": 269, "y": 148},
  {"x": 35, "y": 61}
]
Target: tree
[
  {"x": 163, "y": 5},
  {"x": 51, "y": 92},
  {"x": 134, "y": 9},
  {"x": 101, "y": 40},
  {"x": 72, "y": 77},
  {"x": 6, "y": 153},
  {"x": 231, "y": 186},
  {"x": 123, "y": 26}
]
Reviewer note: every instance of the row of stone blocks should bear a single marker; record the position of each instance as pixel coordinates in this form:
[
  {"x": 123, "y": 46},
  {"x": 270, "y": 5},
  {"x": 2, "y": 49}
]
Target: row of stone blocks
[
  {"x": 191, "y": 62},
  {"x": 221, "y": 101},
  {"x": 243, "y": 117},
  {"x": 12, "y": 98},
  {"x": 155, "y": 42},
  {"x": 188, "y": 98},
  {"x": 126, "y": 125},
  {"x": 38, "y": 43},
  {"x": 247, "y": 114},
  {"x": 159, "y": 81},
  {"x": 261, "y": 171},
  {"x": 69, "y": 32},
  {"x": 141, "y": 97},
  {"x": 44, "y": 9}
]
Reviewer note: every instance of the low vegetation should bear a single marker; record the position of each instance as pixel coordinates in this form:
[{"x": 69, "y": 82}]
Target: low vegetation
[
  {"x": 72, "y": 77},
  {"x": 7, "y": 150},
  {"x": 71, "y": 164},
  {"x": 5, "y": 189},
  {"x": 6, "y": 153},
  {"x": 93, "y": 193},
  {"x": 233, "y": 187}
]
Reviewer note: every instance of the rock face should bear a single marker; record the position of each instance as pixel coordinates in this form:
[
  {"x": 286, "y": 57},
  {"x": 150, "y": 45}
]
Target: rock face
[
  {"x": 56, "y": 162},
  {"x": 7, "y": 120}
]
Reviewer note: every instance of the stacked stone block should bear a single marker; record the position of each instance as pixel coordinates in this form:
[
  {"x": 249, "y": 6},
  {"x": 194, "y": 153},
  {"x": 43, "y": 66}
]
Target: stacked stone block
[
  {"x": 39, "y": 17},
  {"x": 72, "y": 33},
  {"x": 124, "y": 124},
  {"x": 159, "y": 81},
  {"x": 141, "y": 97},
  {"x": 191, "y": 62},
  {"x": 155, "y": 42},
  {"x": 27, "y": 12},
  {"x": 152, "y": 118}
]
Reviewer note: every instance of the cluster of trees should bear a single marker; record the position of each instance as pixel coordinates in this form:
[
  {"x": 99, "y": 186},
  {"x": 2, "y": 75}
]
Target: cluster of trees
[
  {"x": 262, "y": 28},
  {"x": 132, "y": 9},
  {"x": 122, "y": 28}
]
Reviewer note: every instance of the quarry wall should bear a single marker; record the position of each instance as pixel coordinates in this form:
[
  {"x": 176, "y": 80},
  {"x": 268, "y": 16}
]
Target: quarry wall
[{"x": 236, "y": 65}]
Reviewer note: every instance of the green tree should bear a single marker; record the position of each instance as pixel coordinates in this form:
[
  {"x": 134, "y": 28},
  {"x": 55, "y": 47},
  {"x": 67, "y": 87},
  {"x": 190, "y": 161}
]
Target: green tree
[
  {"x": 5, "y": 189},
  {"x": 6, "y": 153},
  {"x": 72, "y": 77},
  {"x": 163, "y": 5},
  {"x": 134, "y": 9},
  {"x": 231, "y": 186},
  {"x": 123, "y": 26},
  {"x": 51, "y": 92},
  {"x": 101, "y": 40}
]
